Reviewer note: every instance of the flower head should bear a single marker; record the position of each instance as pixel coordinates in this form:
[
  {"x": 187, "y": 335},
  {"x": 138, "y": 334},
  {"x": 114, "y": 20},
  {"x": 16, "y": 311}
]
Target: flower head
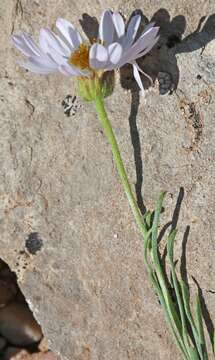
[{"x": 70, "y": 54}]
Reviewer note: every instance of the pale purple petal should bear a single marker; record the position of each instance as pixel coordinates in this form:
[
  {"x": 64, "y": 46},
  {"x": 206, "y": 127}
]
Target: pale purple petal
[
  {"x": 149, "y": 26},
  {"x": 69, "y": 70},
  {"x": 49, "y": 40},
  {"x": 106, "y": 28},
  {"x": 36, "y": 67},
  {"x": 75, "y": 38},
  {"x": 132, "y": 29},
  {"x": 119, "y": 24},
  {"x": 114, "y": 52},
  {"x": 56, "y": 57},
  {"x": 145, "y": 39},
  {"x": 23, "y": 45},
  {"x": 44, "y": 62},
  {"x": 98, "y": 56},
  {"x": 33, "y": 68},
  {"x": 69, "y": 32},
  {"x": 145, "y": 51},
  {"x": 144, "y": 43},
  {"x": 31, "y": 44}
]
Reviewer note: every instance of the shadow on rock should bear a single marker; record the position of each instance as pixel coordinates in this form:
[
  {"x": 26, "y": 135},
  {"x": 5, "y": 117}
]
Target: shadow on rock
[{"x": 161, "y": 62}]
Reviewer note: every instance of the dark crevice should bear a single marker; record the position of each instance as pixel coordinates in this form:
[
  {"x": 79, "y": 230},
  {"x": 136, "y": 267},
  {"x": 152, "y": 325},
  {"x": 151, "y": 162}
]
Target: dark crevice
[{"x": 19, "y": 331}]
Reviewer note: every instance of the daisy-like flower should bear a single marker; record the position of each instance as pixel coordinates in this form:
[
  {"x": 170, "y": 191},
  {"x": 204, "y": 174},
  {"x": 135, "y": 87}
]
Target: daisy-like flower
[{"x": 71, "y": 55}]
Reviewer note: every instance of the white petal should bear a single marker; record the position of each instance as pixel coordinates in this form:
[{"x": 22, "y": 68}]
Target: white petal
[
  {"x": 134, "y": 63},
  {"x": 106, "y": 28},
  {"x": 132, "y": 29},
  {"x": 119, "y": 24},
  {"x": 138, "y": 78},
  {"x": 69, "y": 32},
  {"x": 98, "y": 56},
  {"x": 49, "y": 40},
  {"x": 114, "y": 52}
]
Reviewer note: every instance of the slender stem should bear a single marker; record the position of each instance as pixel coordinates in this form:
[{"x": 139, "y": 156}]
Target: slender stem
[{"x": 119, "y": 163}]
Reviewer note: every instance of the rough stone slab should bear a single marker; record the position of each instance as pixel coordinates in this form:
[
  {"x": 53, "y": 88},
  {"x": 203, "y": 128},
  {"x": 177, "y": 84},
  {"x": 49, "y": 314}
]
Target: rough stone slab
[{"x": 87, "y": 286}]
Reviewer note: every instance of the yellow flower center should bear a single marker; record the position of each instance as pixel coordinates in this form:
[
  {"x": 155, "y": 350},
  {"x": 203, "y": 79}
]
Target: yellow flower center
[{"x": 80, "y": 57}]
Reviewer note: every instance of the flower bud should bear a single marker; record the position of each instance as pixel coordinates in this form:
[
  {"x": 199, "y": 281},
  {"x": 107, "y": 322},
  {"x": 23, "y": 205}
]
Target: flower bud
[{"x": 97, "y": 86}]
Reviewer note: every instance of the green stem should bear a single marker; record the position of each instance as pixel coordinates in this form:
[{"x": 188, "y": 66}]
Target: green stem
[{"x": 119, "y": 163}]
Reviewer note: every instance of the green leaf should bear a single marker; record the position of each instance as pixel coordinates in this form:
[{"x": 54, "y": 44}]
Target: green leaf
[
  {"x": 199, "y": 326},
  {"x": 155, "y": 233},
  {"x": 148, "y": 218},
  {"x": 176, "y": 286},
  {"x": 146, "y": 249},
  {"x": 193, "y": 354},
  {"x": 170, "y": 245},
  {"x": 186, "y": 302},
  {"x": 199, "y": 322},
  {"x": 167, "y": 303}
]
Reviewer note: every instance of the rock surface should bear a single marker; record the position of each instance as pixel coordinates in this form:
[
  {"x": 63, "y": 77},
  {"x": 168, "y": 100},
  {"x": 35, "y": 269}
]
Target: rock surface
[
  {"x": 87, "y": 284},
  {"x": 19, "y": 354}
]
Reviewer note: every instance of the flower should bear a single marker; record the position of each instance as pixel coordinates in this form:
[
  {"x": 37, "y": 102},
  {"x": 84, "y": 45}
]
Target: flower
[{"x": 71, "y": 55}]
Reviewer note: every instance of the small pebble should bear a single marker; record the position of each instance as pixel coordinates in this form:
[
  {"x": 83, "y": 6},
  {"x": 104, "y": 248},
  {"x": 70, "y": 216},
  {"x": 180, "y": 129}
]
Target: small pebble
[
  {"x": 43, "y": 345},
  {"x": 44, "y": 356},
  {"x": 18, "y": 325}
]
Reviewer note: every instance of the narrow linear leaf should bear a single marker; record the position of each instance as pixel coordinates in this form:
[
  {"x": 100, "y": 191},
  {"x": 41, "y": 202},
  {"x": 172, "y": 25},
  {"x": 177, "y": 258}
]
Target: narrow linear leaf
[
  {"x": 169, "y": 318},
  {"x": 186, "y": 301},
  {"x": 170, "y": 255},
  {"x": 146, "y": 249},
  {"x": 170, "y": 244},
  {"x": 155, "y": 232},
  {"x": 199, "y": 325},
  {"x": 148, "y": 219},
  {"x": 171, "y": 312},
  {"x": 194, "y": 354}
]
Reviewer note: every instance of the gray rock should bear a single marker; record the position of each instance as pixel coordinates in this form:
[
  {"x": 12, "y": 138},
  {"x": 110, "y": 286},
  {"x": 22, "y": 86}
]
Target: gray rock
[{"x": 87, "y": 288}]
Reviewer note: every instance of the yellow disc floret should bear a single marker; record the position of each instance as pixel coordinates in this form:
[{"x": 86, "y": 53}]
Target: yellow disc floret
[{"x": 80, "y": 57}]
